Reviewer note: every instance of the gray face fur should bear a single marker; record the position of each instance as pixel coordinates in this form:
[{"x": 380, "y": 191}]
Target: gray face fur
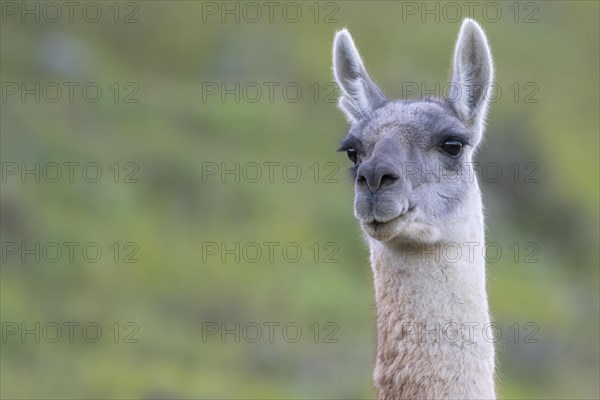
[{"x": 410, "y": 182}]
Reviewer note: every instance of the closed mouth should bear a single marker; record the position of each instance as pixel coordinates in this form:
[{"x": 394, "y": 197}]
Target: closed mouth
[
  {"x": 379, "y": 223},
  {"x": 376, "y": 224}
]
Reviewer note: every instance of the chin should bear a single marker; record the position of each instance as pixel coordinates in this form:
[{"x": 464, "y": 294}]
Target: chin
[{"x": 382, "y": 232}]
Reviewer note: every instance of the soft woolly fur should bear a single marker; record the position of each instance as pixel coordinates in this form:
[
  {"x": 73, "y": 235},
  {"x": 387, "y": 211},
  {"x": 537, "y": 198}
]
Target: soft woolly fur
[{"x": 421, "y": 211}]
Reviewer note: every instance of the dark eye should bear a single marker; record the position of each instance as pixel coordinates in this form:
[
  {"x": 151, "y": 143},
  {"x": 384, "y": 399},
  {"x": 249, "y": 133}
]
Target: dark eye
[
  {"x": 452, "y": 147},
  {"x": 352, "y": 155}
]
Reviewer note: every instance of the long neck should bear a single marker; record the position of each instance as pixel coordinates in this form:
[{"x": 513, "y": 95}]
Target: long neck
[{"x": 434, "y": 338}]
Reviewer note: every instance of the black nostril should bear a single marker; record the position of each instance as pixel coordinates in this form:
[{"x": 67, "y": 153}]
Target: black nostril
[
  {"x": 361, "y": 179},
  {"x": 388, "y": 179}
]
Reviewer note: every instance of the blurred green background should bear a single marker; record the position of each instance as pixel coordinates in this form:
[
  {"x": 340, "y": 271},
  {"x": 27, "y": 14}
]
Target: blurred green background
[{"x": 156, "y": 62}]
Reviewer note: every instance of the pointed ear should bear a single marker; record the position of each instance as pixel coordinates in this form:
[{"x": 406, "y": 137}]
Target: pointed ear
[
  {"x": 472, "y": 76},
  {"x": 359, "y": 95}
]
